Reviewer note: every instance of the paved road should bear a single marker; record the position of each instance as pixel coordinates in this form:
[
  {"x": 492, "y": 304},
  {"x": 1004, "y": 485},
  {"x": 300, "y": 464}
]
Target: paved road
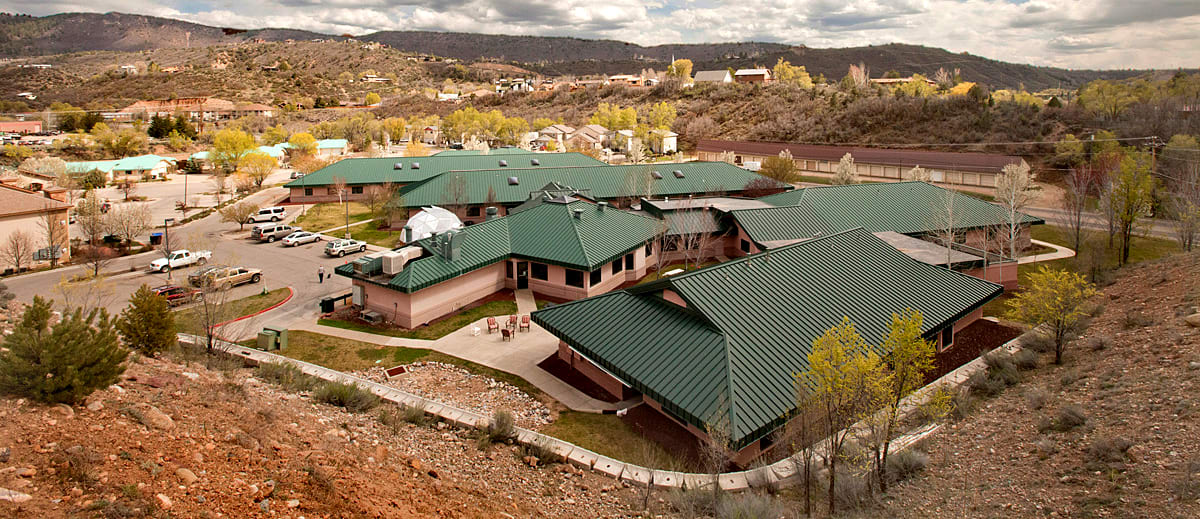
[
  {"x": 282, "y": 266},
  {"x": 1094, "y": 221}
]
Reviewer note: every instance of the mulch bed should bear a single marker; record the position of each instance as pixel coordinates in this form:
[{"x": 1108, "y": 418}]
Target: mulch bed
[
  {"x": 673, "y": 438},
  {"x": 350, "y": 313},
  {"x": 980, "y": 337},
  {"x": 564, "y": 372}
]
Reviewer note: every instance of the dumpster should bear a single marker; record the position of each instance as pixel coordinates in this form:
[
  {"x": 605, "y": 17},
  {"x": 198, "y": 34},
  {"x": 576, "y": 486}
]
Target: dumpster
[
  {"x": 271, "y": 338},
  {"x": 327, "y": 304},
  {"x": 156, "y": 238}
]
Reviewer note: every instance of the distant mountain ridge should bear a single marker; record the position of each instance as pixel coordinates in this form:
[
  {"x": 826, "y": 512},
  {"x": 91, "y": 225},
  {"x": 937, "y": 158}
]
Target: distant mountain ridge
[{"x": 22, "y": 35}]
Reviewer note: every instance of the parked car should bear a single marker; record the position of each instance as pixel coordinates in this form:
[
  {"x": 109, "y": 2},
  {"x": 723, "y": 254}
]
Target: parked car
[
  {"x": 225, "y": 278},
  {"x": 270, "y": 232},
  {"x": 179, "y": 259},
  {"x": 339, "y": 248},
  {"x": 272, "y": 214},
  {"x": 297, "y": 174},
  {"x": 177, "y": 295},
  {"x": 300, "y": 237}
]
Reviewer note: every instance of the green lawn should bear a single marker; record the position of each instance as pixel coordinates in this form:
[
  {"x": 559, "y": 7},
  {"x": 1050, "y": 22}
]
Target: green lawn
[
  {"x": 187, "y": 320},
  {"x": 435, "y": 330},
  {"x": 1142, "y": 249},
  {"x": 350, "y": 355},
  {"x": 329, "y": 215},
  {"x": 369, "y": 233},
  {"x": 653, "y": 276},
  {"x": 607, "y": 435}
]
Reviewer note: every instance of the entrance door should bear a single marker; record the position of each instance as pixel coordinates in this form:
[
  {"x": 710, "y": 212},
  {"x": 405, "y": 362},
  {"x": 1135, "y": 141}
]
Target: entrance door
[{"x": 522, "y": 274}]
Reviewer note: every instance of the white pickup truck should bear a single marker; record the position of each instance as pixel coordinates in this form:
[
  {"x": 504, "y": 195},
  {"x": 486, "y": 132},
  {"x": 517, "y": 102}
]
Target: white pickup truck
[{"x": 180, "y": 258}]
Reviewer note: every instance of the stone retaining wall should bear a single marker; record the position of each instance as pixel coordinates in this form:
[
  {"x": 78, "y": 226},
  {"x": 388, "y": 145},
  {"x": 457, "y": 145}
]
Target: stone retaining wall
[{"x": 779, "y": 474}]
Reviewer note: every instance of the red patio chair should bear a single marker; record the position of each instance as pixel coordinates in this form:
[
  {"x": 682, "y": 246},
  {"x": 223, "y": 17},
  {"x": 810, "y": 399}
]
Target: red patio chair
[
  {"x": 525, "y": 322},
  {"x": 506, "y": 334},
  {"x": 512, "y": 322},
  {"x": 492, "y": 324}
]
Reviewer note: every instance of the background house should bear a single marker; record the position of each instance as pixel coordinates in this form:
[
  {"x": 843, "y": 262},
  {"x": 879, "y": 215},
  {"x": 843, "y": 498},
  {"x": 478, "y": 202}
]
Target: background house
[
  {"x": 29, "y": 212},
  {"x": 664, "y": 142},
  {"x": 22, "y": 127},
  {"x": 752, "y": 75},
  {"x": 713, "y": 76}
]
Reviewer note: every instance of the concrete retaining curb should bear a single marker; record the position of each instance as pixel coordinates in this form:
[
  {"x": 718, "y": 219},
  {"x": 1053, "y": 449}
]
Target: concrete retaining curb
[{"x": 779, "y": 474}]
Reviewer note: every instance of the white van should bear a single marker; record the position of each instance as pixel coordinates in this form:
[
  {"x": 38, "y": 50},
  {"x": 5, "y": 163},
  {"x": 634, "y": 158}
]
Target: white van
[{"x": 272, "y": 214}]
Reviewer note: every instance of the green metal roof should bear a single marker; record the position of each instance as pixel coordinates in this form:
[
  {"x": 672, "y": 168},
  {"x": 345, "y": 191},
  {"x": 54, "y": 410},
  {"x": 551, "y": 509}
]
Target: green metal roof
[
  {"x": 767, "y": 308},
  {"x": 598, "y": 181},
  {"x": 400, "y": 170},
  {"x": 903, "y": 207},
  {"x": 548, "y": 233}
]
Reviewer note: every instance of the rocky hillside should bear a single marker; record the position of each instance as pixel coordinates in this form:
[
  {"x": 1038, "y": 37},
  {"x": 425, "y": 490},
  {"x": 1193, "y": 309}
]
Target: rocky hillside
[
  {"x": 176, "y": 440},
  {"x": 1114, "y": 432}
]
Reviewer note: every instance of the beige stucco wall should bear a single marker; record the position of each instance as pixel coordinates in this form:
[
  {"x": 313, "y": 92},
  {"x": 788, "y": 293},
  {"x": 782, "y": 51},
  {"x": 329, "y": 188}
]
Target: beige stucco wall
[
  {"x": 427, "y": 304},
  {"x": 34, "y": 226}
]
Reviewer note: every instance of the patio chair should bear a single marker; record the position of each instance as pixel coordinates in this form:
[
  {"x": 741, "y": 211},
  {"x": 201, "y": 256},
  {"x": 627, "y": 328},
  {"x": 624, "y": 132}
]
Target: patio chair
[
  {"x": 512, "y": 322},
  {"x": 492, "y": 325},
  {"x": 525, "y": 322},
  {"x": 506, "y": 334}
]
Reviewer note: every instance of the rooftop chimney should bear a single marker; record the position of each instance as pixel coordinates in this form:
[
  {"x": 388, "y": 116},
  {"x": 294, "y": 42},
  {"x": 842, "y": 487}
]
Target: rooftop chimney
[
  {"x": 504, "y": 163},
  {"x": 416, "y": 165},
  {"x": 601, "y": 205},
  {"x": 578, "y": 213},
  {"x": 535, "y": 162},
  {"x": 491, "y": 214},
  {"x": 398, "y": 165},
  {"x": 512, "y": 181},
  {"x": 678, "y": 174}
]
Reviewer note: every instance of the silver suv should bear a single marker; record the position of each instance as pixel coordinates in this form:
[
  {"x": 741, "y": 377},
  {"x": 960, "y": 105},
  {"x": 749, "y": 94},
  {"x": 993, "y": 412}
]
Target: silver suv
[
  {"x": 339, "y": 248},
  {"x": 273, "y": 214},
  {"x": 270, "y": 232}
]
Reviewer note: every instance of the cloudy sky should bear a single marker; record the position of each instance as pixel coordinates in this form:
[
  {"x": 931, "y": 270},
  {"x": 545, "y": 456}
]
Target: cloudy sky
[{"x": 1064, "y": 33}]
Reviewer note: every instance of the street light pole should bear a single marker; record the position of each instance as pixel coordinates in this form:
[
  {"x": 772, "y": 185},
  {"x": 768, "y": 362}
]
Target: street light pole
[{"x": 167, "y": 243}]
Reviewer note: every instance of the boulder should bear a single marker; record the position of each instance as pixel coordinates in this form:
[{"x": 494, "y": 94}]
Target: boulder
[
  {"x": 13, "y": 496},
  {"x": 187, "y": 476},
  {"x": 1193, "y": 320},
  {"x": 164, "y": 501},
  {"x": 151, "y": 416}
]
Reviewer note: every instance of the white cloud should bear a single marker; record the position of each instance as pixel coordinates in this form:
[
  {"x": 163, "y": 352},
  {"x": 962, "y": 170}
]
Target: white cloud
[{"x": 1067, "y": 33}]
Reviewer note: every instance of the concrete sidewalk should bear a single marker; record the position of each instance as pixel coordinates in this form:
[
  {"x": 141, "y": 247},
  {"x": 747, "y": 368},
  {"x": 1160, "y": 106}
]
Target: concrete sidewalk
[
  {"x": 519, "y": 356},
  {"x": 1060, "y": 252}
]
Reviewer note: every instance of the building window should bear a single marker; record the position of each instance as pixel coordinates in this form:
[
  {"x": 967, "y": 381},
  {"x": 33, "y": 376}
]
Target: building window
[
  {"x": 629, "y": 261},
  {"x": 331, "y": 191},
  {"x": 509, "y": 273},
  {"x": 308, "y": 191},
  {"x": 539, "y": 271},
  {"x": 473, "y": 211},
  {"x": 649, "y": 249},
  {"x": 356, "y": 190},
  {"x": 746, "y": 246},
  {"x": 616, "y": 267},
  {"x": 596, "y": 276},
  {"x": 574, "y": 278},
  {"x": 948, "y": 337}
]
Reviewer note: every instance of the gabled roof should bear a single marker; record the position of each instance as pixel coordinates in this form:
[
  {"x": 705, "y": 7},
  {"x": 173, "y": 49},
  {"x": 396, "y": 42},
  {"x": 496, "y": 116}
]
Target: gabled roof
[
  {"x": 599, "y": 182},
  {"x": 384, "y": 169},
  {"x": 557, "y": 128},
  {"x": 89, "y": 165},
  {"x": 729, "y": 356},
  {"x": 140, "y": 162},
  {"x": 903, "y": 207},
  {"x": 548, "y": 233},
  {"x": 752, "y": 72},
  {"x": 715, "y": 76},
  {"x": 903, "y": 158}
]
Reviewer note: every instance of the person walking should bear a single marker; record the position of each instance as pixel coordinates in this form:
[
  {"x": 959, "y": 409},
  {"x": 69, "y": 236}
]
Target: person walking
[{"x": 321, "y": 274}]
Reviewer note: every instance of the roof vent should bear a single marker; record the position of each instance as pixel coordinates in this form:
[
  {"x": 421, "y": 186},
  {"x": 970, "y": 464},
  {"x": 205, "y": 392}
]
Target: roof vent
[
  {"x": 677, "y": 173},
  {"x": 578, "y": 213},
  {"x": 535, "y": 162},
  {"x": 398, "y": 165},
  {"x": 416, "y": 165},
  {"x": 601, "y": 205},
  {"x": 512, "y": 181},
  {"x": 504, "y": 163},
  {"x": 656, "y": 175}
]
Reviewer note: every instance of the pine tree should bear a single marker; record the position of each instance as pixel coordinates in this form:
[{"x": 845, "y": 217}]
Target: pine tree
[
  {"x": 147, "y": 324},
  {"x": 64, "y": 363}
]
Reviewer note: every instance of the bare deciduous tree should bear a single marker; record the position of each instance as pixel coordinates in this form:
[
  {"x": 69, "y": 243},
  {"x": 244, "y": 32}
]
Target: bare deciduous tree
[
  {"x": 455, "y": 197},
  {"x": 129, "y": 221},
  {"x": 1080, "y": 182},
  {"x": 55, "y": 234},
  {"x": 18, "y": 249},
  {"x": 127, "y": 187},
  {"x": 377, "y": 197},
  {"x": 90, "y": 218},
  {"x": 945, "y": 222},
  {"x": 1015, "y": 191},
  {"x": 238, "y": 213},
  {"x": 96, "y": 257}
]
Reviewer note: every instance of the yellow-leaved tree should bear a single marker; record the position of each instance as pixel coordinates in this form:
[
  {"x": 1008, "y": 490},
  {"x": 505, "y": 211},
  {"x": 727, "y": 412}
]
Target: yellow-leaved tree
[
  {"x": 785, "y": 72},
  {"x": 1053, "y": 298},
  {"x": 845, "y": 381}
]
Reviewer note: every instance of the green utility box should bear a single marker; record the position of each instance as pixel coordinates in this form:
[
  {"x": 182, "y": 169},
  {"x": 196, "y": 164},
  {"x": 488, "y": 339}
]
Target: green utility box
[{"x": 271, "y": 338}]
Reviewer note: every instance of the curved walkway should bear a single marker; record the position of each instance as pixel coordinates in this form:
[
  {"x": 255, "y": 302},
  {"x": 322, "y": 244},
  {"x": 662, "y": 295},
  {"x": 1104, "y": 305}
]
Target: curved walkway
[{"x": 1060, "y": 252}]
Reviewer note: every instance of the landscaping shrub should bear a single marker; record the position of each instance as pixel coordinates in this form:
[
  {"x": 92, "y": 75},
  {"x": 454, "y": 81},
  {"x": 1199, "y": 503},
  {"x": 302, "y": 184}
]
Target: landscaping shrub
[
  {"x": 852, "y": 492},
  {"x": 502, "y": 427},
  {"x": 1068, "y": 417},
  {"x": 749, "y": 506},
  {"x": 1108, "y": 450},
  {"x": 693, "y": 503},
  {"x": 904, "y": 464},
  {"x": 1045, "y": 448},
  {"x": 391, "y": 418},
  {"x": 349, "y": 396},
  {"x": 1098, "y": 342},
  {"x": 1025, "y": 360},
  {"x": 413, "y": 414},
  {"x": 1002, "y": 366},
  {"x": 962, "y": 403},
  {"x": 984, "y": 384},
  {"x": 1037, "y": 341},
  {"x": 1187, "y": 485},
  {"x": 540, "y": 449},
  {"x": 287, "y": 376},
  {"x": 1136, "y": 320},
  {"x": 1036, "y": 398}
]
